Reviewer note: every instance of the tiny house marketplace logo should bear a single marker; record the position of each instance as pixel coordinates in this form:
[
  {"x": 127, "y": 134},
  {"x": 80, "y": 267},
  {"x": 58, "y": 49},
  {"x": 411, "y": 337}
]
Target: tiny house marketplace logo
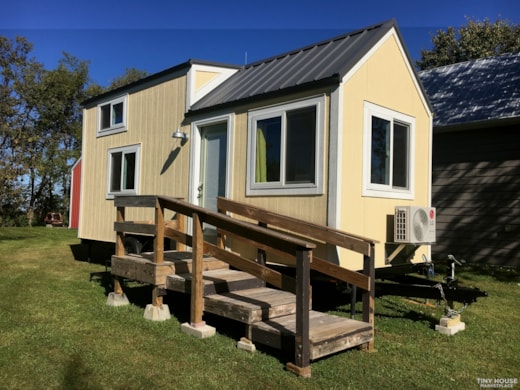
[{"x": 497, "y": 383}]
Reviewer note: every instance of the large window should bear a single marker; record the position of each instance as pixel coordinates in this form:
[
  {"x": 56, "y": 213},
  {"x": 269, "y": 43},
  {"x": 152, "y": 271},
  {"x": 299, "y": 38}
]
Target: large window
[
  {"x": 388, "y": 151},
  {"x": 112, "y": 116},
  {"x": 285, "y": 149},
  {"x": 123, "y": 171}
]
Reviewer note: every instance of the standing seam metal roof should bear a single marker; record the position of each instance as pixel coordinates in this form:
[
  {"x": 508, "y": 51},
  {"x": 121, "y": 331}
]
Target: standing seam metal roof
[
  {"x": 326, "y": 61},
  {"x": 474, "y": 91}
]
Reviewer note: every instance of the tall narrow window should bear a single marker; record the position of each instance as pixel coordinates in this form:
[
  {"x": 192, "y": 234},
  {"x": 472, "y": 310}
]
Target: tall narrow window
[
  {"x": 388, "y": 153},
  {"x": 123, "y": 170},
  {"x": 286, "y": 149}
]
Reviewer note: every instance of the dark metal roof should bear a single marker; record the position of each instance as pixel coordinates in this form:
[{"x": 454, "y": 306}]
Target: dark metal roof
[
  {"x": 321, "y": 63},
  {"x": 145, "y": 82},
  {"x": 474, "y": 91}
]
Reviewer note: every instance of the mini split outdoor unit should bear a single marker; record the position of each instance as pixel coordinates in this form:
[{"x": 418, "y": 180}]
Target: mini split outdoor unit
[{"x": 414, "y": 225}]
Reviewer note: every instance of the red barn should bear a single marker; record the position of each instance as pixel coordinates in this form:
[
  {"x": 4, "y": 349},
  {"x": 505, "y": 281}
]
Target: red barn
[{"x": 75, "y": 191}]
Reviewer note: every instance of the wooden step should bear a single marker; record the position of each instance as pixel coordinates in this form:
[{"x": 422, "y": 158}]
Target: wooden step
[
  {"x": 183, "y": 260},
  {"x": 217, "y": 281},
  {"x": 252, "y": 305},
  {"x": 143, "y": 269},
  {"x": 328, "y": 333}
]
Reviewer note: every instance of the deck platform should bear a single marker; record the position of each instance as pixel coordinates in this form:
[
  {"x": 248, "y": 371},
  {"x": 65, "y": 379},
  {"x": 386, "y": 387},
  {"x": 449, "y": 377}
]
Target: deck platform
[{"x": 328, "y": 333}]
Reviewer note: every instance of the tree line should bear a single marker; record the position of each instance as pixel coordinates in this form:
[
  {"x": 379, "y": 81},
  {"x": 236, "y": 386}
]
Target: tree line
[
  {"x": 40, "y": 129},
  {"x": 40, "y": 113}
]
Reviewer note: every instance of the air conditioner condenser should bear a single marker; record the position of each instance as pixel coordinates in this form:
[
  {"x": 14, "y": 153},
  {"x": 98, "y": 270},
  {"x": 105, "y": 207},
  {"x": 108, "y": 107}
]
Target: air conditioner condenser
[{"x": 414, "y": 225}]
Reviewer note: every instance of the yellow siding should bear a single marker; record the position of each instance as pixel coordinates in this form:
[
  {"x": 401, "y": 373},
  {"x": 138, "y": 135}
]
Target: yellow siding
[
  {"x": 204, "y": 77},
  {"x": 385, "y": 80},
  {"x": 153, "y": 114}
]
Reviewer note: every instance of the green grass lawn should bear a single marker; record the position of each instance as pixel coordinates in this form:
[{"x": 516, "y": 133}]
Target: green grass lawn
[{"x": 56, "y": 332}]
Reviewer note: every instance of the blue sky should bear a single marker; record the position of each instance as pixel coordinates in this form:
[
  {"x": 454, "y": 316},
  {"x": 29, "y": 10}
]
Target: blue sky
[{"x": 153, "y": 35}]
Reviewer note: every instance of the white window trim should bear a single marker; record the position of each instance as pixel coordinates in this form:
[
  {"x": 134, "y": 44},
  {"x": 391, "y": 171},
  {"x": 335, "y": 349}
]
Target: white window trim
[
  {"x": 125, "y": 149},
  {"x": 118, "y": 128},
  {"x": 379, "y": 190},
  {"x": 316, "y": 188}
]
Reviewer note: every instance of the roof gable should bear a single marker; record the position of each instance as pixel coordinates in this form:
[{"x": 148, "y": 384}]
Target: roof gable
[
  {"x": 153, "y": 79},
  {"x": 321, "y": 63},
  {"x": 474, "y": 91}
]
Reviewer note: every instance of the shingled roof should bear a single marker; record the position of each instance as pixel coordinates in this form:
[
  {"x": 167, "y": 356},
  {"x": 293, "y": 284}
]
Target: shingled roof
[
  {"x": 474, "y": 91},
  {"x": 322, "y": 63}
]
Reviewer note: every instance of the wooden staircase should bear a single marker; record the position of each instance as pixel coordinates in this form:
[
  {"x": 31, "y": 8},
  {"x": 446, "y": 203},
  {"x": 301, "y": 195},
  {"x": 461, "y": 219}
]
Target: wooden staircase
[
  {"x": 280, "y": 316},
  {"x": 269, "y": 314}
]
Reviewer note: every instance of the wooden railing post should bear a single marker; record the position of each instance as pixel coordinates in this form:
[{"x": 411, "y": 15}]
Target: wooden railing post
[
  {"x": 369, "y": 296},
  {"x": 261, "y": 254},
  {"x": 159, "y": 233},
  {"x": 197, "y": 304},
  {"x": 157, "y": 299},
  {"x": 120, "y": 247},
  {"x": 301, "y": 365},
  {"x": 181, "y": 227}
]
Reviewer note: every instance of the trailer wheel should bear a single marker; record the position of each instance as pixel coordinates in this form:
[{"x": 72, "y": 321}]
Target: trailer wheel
[{"x": 133, "y": 245}]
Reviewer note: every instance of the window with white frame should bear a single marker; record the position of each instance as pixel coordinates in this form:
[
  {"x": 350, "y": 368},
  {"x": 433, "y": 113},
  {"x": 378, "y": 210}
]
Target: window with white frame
[
  {"x": 112, "y": 116},
  {"x": 123, "y": 170},
  {"x": 286, "y": 148},
  {"x": 388, "y": 153}
]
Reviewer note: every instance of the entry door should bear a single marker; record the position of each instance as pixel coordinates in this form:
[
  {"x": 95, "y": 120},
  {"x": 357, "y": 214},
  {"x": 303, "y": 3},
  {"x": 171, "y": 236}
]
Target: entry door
[{"x": 212, "y": 165}]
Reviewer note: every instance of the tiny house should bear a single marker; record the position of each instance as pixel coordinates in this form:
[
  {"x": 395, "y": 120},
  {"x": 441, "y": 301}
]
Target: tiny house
[{"x": 337, "y": 133}]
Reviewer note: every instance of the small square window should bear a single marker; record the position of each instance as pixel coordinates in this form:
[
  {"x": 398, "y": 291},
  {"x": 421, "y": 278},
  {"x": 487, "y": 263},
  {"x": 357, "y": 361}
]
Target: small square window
[{"x": 112, "y": 116}]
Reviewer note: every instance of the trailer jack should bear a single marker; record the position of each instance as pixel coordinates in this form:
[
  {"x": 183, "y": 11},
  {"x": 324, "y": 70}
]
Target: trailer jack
[{"x": 396, "y": 280}]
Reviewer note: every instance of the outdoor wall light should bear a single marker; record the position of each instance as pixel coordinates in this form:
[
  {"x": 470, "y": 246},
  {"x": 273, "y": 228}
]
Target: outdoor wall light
[{"x": 180, "y": 135}]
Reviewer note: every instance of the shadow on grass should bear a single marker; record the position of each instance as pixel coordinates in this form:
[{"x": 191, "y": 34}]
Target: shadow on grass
[
  {"x": 78, "y": 375},
  {"x": 396, "y": 310},
  {"x": 93, "y": 252}
]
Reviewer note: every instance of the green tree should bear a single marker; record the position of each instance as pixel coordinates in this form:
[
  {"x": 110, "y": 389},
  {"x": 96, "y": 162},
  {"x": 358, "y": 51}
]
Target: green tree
[
  {"x": 40, "y": 128},
  {"x": 130, "y": 75},
  {"x": 55, "y": 144},
  {"x": 476, "y": 39},
  {"x": 18, "y": 74}
]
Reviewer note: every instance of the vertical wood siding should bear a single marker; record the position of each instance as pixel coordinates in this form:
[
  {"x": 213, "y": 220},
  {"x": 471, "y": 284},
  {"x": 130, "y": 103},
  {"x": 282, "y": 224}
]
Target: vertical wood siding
[{"x": 153, "y": 114}]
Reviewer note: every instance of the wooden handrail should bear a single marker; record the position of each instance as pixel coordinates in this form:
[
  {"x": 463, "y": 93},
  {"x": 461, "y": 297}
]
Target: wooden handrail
[
  {"x": 327, "y": 235},
  {"x": 365, "y": 246},
  {"x": 314, "y": 231}
]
